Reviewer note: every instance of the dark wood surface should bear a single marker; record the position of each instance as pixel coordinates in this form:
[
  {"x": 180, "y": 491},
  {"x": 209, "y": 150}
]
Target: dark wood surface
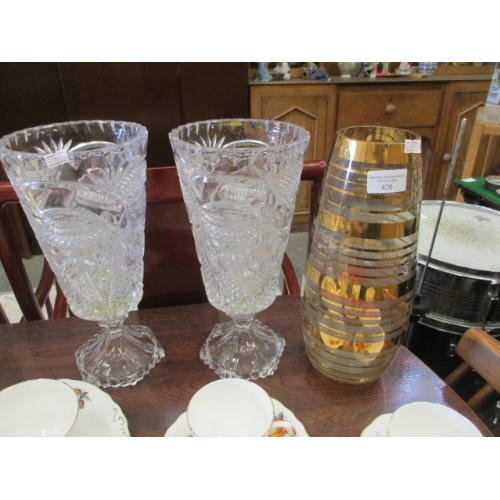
[
  {"x": 326, "y": 408},
  {"x": 146, "y": 93},
  {"x": 160, "y": 96}
]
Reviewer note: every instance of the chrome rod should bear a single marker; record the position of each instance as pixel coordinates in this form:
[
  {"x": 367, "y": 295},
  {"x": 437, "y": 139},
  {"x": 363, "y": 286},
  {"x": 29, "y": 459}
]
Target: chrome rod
[{"x": 449, "y": 176}]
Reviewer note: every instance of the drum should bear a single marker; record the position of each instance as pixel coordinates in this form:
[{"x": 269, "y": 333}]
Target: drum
[{"x": 462, "y": 281}]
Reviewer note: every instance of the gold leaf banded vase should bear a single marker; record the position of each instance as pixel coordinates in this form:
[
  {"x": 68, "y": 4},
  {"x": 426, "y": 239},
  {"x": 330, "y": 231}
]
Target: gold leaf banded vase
[{"x": 360, "y": 274}]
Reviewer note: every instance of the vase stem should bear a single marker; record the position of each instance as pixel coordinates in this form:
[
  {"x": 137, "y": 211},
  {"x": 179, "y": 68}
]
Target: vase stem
[{"x": 242, "y": 319}]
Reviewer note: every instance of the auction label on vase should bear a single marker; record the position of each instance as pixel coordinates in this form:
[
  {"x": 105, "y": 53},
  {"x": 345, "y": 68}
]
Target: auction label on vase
[
  {"x": 55, "y": 159},
  {"x": 386, "y": 181},
  {"x": 413, "y": 146}
]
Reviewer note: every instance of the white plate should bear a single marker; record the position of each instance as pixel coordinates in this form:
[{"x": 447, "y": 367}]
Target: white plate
[
  {"x": 99, "y": 415},
  {"x": 180, "y": 427},
  {"x": 378, "y": 428}
]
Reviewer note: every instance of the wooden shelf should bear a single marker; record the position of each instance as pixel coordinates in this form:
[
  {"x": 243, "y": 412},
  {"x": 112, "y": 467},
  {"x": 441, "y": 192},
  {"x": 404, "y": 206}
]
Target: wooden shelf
[{"x": 485, "y": 69}]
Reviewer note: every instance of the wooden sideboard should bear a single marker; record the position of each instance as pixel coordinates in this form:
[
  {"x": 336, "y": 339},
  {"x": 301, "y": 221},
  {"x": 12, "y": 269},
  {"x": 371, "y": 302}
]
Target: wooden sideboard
[{"x": 432, "y": 107}]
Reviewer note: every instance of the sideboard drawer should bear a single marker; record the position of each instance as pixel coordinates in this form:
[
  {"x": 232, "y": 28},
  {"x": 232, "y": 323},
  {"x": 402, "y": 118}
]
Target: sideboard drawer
[{"x": 391, "y": 109}]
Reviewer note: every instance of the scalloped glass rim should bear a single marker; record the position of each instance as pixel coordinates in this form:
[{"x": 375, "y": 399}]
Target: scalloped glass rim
[
  {"x": 141, "y": 133},
  {"x": 301, "y": 134}
]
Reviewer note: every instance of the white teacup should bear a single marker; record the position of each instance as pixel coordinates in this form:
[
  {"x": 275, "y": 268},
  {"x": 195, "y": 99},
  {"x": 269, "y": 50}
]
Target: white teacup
[
  {"x": 38, "y": 408},
  {"x": 422, "y": 419},
  {"x": 232, "y": 408}
]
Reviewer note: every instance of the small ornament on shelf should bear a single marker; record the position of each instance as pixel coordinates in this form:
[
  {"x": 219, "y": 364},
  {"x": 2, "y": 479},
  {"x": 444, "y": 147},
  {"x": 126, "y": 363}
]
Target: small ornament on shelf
[
  {"x": 283, "y": 68},
  {"x": 263, "y": 74},
  {"x": 427, "y": 68},
  {"x": 365, "y": 69},
  {"x": 348, "y": 69},
  {"x": 368, "y": 69},
  {"x": 311, "y": 71},
  {"x": 404, "y": 68}
]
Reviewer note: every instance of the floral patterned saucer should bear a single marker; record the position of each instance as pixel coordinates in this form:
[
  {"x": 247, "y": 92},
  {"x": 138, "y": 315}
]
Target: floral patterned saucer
[
  {"x": 378, "y": 427},
  {"x": 180, "y": 427},
  {"x": 98, "y": 415}
]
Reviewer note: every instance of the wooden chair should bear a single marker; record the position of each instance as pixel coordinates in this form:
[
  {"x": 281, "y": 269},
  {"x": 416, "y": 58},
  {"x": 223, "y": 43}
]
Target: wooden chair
[
  {"x": 172, "y": 273},
  {"x": 480, "y": 352},
  {"x": 31, "y": 302}
]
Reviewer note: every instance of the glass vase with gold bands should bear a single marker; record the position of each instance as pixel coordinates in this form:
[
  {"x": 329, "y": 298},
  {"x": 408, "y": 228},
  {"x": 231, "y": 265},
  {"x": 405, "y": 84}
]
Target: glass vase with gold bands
[{"x": 360, "y": 274}]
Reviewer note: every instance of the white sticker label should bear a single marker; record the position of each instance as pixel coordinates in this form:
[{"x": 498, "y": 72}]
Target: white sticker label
[
  {"x": 491, "y": 114},
  {"x": 413, "y": 146},
  {"x": 55, "y": 159},
  {"x": 386, "y": 181},
  {"x": 470, "y": 179}
]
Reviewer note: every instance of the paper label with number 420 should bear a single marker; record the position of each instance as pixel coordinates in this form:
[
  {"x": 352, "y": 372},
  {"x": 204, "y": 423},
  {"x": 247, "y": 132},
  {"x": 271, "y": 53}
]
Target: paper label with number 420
[{"x": 386, "y": 181}]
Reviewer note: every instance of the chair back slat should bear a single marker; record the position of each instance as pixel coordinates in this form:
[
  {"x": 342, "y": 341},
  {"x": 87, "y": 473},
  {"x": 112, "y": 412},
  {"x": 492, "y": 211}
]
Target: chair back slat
[{"x": 481, "y": 351}]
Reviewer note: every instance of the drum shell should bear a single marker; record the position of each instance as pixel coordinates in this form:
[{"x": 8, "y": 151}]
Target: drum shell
[
  {"x": 462, "y": 280},
  {"x": 458, "y": 301}
]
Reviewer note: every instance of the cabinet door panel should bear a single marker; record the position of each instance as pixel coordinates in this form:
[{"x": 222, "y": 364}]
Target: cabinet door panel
[{"x": 309, "y": 106}]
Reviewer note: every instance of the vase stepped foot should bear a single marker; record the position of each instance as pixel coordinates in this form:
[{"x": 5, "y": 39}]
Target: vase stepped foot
[
  {"x": 248, "y": 351},
  {"x": 119, "y": 358}
]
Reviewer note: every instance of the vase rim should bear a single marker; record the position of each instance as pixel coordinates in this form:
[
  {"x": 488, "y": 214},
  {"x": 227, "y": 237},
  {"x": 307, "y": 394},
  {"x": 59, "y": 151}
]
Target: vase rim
[
  {"x": 142, "y": 132},
  {"x": 382, "y": 134},
  {"x": 301, "y": 134}
]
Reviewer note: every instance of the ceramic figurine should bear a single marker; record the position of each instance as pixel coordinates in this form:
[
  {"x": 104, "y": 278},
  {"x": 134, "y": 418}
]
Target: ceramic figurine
[
  {"x": 284, "y": 69},
  {"x": 364, "y": 69},
  {"x": 347, "y": 69},
  {"x": 404, "y": 68},
  {"x": 427, "y": 68},
  {"x": 368, "y": 69},
  {"x": 314, "y": 73},
  {"x": 263, "y": 74}
]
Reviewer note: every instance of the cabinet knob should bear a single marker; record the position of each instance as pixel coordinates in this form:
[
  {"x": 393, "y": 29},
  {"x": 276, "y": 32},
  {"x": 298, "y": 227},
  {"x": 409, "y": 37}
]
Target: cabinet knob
[
  {"x": 390, "y": 109},
  {"x": 447, "y": 157}
]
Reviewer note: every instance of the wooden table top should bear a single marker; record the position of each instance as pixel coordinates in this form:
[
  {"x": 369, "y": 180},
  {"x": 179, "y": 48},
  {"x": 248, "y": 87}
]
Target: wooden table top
[{"x": 46, "y": 349}]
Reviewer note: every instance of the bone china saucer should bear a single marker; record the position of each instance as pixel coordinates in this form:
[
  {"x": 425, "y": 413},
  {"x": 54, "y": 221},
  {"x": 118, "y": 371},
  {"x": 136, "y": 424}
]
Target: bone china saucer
[
  {"x": 180, "y": 427},
  {"x": 99, "y": 415},
  {"x": 379, "y": 426}
]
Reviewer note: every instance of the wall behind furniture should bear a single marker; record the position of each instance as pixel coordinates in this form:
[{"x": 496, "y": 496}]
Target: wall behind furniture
[{"x": 160, "y": 96}]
